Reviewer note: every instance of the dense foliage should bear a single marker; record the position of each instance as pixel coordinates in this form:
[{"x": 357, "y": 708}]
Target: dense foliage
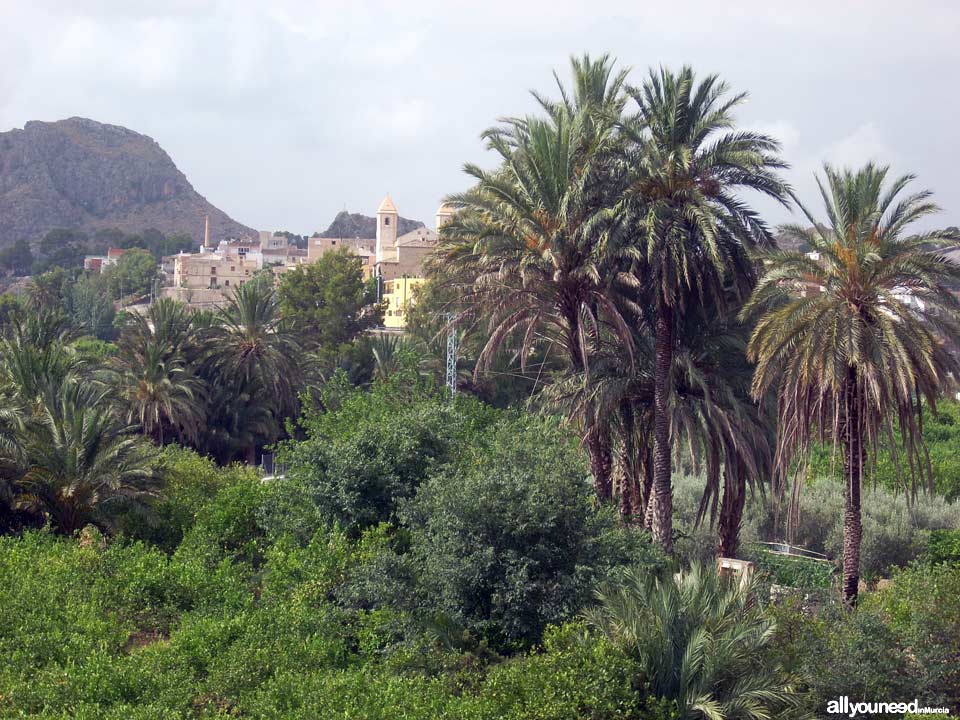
[
  {"x": 235, "y": 611},
  {"x": 543, "y": 542}
]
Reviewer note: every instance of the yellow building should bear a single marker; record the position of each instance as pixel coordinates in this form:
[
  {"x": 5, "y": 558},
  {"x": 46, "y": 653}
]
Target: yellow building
[{"x": 398, "y": 295}]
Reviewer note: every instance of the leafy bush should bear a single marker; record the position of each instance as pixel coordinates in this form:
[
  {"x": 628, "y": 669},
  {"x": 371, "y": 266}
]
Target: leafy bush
[
  {"x": 944, "y": 547},
  {"x": 577, "y": 675},
  {"x": 364, "y": 458},
  {"x": 227, "y": 527},
  {"x": 126, "y": 631},
  {"x": 507, "y": 539},
  {"x": 903, "y": 642},
  {"x": 191, "y": 481},
  {"x": 794, "y": 571},
  {"x": 922, "y": 607}
]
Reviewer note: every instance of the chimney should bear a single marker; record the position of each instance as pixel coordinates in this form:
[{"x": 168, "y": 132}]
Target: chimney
[{"x": 206, "y": 231}]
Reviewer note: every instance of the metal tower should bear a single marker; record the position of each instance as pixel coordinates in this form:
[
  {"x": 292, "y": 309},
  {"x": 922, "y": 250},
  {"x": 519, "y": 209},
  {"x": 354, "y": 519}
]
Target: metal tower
[{"x": 452, "y": 346}]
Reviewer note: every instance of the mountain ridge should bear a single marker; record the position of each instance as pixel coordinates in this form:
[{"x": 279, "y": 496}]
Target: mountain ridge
[
  {"x": 357, "y": 225},
  {"x": 83, "y": 174}
]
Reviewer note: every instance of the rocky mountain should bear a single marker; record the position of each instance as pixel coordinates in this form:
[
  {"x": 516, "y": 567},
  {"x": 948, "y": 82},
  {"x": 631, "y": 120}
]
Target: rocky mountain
[
  {"x": 78, "y": 173},
  {"x": 354, "y": 225}
]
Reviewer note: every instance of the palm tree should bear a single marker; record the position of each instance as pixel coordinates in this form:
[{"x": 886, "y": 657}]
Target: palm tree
[
  {"x": 168, "y": 323},
  {"x": 700, "y": 641},
  {"x": 257, "y": 353},
  {"x": 392, "y": 353},
  {"x": 156, "y": 365},
  {"x": 159, "y": 393},
  {"x": 526, "y": 236},
  {"x": 11, "y": 425},
  {"x": 79, "y": 462},
  {"x": 683, "y": 169},
  {"x": 240, "y": 417},
  {"x": 712, "y": 416},
  {"x": 35, "y": 358},
  {"x": 853, "y": 335}
]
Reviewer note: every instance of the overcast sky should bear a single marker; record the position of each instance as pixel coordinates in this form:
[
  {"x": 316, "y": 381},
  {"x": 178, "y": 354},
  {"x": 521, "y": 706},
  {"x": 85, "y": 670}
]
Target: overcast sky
[{"x": 284, "y": 112}]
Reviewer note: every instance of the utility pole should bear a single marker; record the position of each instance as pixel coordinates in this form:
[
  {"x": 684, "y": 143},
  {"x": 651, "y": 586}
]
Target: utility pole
[{"x": 452, "y": 347}]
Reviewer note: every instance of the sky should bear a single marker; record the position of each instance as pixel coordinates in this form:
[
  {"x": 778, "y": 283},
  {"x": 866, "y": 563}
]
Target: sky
[{"x": 284, "y": 112}]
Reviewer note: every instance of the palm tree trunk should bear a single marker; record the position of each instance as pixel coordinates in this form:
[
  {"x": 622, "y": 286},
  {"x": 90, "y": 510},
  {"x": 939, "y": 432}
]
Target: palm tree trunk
[
  {"x": 731, "y": 513},
  {"x": 632, "y": 508},
  {"x": 662, "y": 487},
  {"x": 852, "y": 475},
  {"x": 601, "y": 460},
  {"x": 623, "y": 491},
  {"x": 597, "y": 436},
  {"x": 646, "y": 503}
]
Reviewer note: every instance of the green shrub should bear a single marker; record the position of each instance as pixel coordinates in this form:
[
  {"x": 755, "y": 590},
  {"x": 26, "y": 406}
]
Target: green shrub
[
  {"x": 227, "y": 527},
  {"x": 794, "y": 571},
  {"x": 944, "y": 547},
  {"x": 190, "y": 482},
  {"x": 901, "y": 643},
  {"x": 363, "y": 460},
  {"x": 577, "y": 675},
  {"x": 922, "y": 607},
  {"x": 507, "y": 539}
]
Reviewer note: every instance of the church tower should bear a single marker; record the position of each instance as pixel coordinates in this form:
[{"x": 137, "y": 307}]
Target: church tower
[
  {"x": 444, "y": 213},
  {"x": 387, "y": 220}
]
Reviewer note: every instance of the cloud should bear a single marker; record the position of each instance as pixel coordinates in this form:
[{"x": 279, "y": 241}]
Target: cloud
[
  {"x": 782, "y": 130},
  {"x": 399, "y": 120},
  {"x": 864, "y": 144},
  {"x": 337, "y": 101}
]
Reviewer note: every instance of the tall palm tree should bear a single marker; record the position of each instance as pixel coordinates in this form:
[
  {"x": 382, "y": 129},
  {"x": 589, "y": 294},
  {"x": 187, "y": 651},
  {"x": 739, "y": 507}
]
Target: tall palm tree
[
  {"x": 526, "y": 236},
  {"x": 35, "y": 358},
  {"x": 683, "y": 170},
  {"x": 168, "y": 323},
  {"x": 712, "y": 417},
  {"x": 156, "y": 370},
  {"x": 700, "y": 641},
  {"x": 240, "y": 417},
  {"x": 11, "y": 425},
  {"x": 257, "y": 353},
  {"x": 853, "y": 335},
  {"x": 79, "y": 462},
  {"x": 159, "y": 393}
]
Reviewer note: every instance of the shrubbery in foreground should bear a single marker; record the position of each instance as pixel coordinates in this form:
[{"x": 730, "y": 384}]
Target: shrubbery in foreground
[{"x": 458, "y": 592}]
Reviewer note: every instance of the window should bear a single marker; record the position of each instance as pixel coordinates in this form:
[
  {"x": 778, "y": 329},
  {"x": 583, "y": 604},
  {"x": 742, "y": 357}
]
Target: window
[
  {"x": 213, "y": 271},
  {"x": 233, "y": 268},
  {"x": 226, "y": 283},
  {"x": 386, "y": 221},
  {"x": 334, "y": 242}
]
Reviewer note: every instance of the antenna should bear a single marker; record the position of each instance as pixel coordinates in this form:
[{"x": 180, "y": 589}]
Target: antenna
[{"x": 453, "y": 342}]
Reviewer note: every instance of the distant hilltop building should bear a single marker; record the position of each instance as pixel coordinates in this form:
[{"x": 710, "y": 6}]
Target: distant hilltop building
[
  {"x": 205, "y": 278},
  {"x": 98, "y": 263},
  {"x": 396, "y": 261}
]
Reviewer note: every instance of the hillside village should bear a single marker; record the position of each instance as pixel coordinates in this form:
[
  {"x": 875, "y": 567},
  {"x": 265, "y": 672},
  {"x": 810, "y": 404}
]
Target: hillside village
[{"x": 204, "y": 279}]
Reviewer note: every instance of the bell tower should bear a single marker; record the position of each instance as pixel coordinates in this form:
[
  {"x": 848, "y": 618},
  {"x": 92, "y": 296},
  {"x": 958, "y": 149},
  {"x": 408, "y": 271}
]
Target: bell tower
[
  {"x": 387, "y": 220},
  {"x": 444, "y": 213}
]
